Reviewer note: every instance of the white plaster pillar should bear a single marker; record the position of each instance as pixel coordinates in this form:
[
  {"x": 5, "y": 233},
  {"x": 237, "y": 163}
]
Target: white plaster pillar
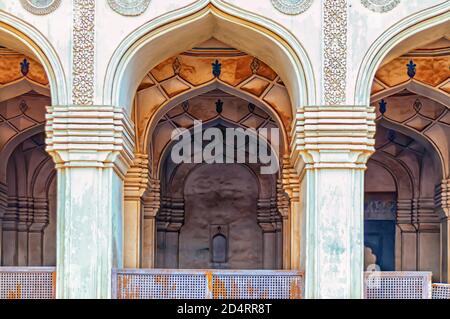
[
  {"x": 135, "y": 186},
  {"x": 334, "y": 142},
  {"x": 93, "y": 148}
]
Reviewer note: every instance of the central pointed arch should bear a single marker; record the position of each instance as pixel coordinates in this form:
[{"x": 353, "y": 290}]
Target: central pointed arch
[{"x": 180, "y": 30}]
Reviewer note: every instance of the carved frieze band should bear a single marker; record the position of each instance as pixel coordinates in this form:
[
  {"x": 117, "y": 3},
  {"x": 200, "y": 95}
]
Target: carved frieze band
[
  {"x": 335, "y": 51},
  {"x": 83, "y": 52}
]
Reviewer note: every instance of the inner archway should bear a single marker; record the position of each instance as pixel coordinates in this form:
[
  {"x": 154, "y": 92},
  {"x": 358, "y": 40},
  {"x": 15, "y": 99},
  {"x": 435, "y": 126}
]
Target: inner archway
[
  {"x": 405, "y": 222},
  {"x": 220, "y": 51},
  {"x": 228, "y": 201},
  {"x": 222, "y": 88},
  {"x": 32, "y": 79}
]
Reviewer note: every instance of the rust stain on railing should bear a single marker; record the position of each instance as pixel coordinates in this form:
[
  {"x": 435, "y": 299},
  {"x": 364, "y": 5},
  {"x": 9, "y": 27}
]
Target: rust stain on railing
[
  {"x": 27, "y": 283},
  {"x": 17, "y": 294},
  {"x": 207, "y": 284},
  {"x": 125, "y": 285},
  {"x": 54, "y": 284},
  {"x": 219, "y": 289},
  {"x": 209, "y": 280},
  {"x": 295, "y": 290}
]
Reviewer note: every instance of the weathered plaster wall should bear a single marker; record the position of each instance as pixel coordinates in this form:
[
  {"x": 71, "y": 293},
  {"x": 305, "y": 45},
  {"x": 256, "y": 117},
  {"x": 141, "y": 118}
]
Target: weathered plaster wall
[{"x": 221, "y": 194}]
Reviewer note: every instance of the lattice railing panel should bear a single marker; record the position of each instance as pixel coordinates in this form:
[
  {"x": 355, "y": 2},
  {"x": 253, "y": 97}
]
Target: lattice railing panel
[
  {"x": 441, "y": 291},
  {"x": 276, "y": 286},
  {"x": 160, "y": 286},
  {"x": 27, "y": 283},
  {"x": 397, "y": 285},
  {"x": 187, "y": 284}
]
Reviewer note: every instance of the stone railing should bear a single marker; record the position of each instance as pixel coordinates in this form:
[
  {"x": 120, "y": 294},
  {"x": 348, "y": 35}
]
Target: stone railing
[
  {"x": 27, "y": 283},
  {"x": 403, "y": 285},
  {"x": 441, "y": 291},
  {"x": 39, "y": 283}
]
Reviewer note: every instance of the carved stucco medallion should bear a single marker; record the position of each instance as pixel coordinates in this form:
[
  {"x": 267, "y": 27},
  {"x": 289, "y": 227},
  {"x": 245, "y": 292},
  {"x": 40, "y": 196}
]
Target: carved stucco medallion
[
  {"x": 40, "y": 7},
  {"x": 129, "y": 7},
  {"x": 380, "y": 5},
  {"x": 292, "y": 6}
]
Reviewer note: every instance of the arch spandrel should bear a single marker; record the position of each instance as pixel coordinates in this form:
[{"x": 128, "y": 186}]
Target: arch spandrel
[
  {"x": 24, "y": 38},
  {"x": 428, "y": 25}
]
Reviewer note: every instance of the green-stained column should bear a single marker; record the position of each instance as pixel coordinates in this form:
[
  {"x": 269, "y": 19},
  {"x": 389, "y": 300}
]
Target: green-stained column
[
  {"x": 331, "y": 147},
  {"x": 92, "y": 148}
]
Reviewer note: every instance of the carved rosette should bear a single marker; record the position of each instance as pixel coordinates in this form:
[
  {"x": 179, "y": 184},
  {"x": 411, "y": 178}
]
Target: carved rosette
[
  {"x": 40, "y": 7},
  {"x": 129, "y": 7},
  {"x": 335, "y": 51},
  {"x": 292, "y": 7},
  {"x": 380, "y": 5}
]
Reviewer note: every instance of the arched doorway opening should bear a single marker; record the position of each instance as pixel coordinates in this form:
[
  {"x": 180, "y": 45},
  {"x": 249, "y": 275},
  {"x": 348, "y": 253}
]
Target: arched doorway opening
[
  {"x": 405, "y": 220},
  {"x": 31, "y": 79},
  {"x": 233, "y": 199},
  {"x": 222, "y": 88},
  {"x": 229, "y": 54}
]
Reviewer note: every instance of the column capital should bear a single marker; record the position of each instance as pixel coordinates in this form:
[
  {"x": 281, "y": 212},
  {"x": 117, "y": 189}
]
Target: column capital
[
  {"x": 333, "y": 136},
  {"x": 90, "y": 136}
]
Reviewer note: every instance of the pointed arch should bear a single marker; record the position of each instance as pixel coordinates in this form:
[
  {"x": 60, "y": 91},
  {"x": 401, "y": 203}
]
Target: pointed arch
[
  {"x": 180, "y": 30},
  {"x": 416, "y": 87},
  {"x": 168, "y": 105},
  {"x": 433, "y": 21}
]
